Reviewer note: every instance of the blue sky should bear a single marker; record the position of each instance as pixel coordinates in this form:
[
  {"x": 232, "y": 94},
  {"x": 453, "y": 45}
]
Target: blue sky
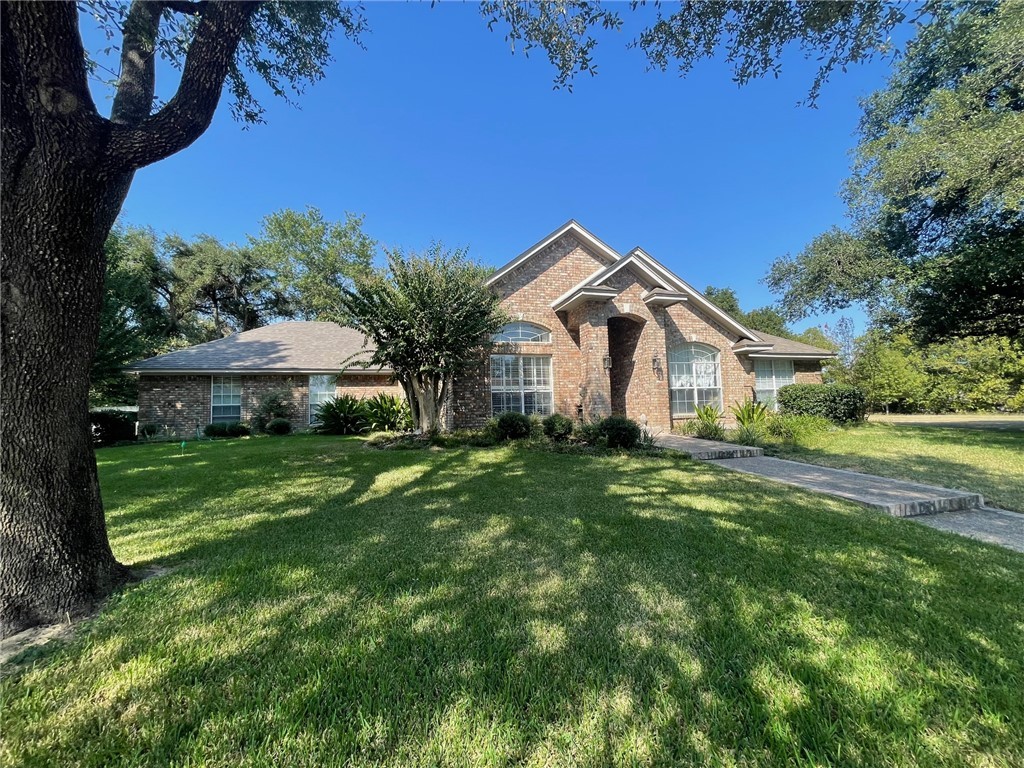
[{"x": 436, "y": 132}]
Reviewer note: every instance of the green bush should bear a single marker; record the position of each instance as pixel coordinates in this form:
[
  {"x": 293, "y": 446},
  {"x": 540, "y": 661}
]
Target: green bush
[
  {"x": 789, "y": 427},
  {"x": 150, "y": 430},
  {"x": 226, "y": 429},
  {"x": 109, "y": 427},
  {"x": 278, "y": 426},
  {"x": 610, "y": 432},
  {"x": 273, "y": 405},
  {"x": 343, "y": 415},
  {"x": 708, "y": 426},
  {"x": 839, "y": 403},
  {"x": 751, "y": 414},
  {"x": 558, "y": 427},
  {"x": 388, "y": 413},
  {"x": 513, "y": 426}
]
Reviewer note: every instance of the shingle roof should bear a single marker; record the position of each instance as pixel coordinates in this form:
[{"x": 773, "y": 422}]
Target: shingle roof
[
  {"x": 781, "y": 346},
  {"x": 293, "y": 346}
]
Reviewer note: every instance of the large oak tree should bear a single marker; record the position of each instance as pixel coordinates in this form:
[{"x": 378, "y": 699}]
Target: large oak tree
[{"x": 66, "y": 170}]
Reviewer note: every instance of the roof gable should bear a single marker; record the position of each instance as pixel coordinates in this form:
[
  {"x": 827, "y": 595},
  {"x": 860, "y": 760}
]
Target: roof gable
[{"x": 588, "y": 239}]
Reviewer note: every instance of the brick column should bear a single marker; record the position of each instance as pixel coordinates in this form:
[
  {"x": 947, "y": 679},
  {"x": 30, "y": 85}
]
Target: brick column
[{"x": 596, "y": 383}]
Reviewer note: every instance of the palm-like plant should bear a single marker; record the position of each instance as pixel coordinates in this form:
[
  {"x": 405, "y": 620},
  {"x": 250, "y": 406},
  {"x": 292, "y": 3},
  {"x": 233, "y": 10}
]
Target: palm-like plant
[
  {"x": 388, "y": 413},
  {"x": 343, "y": 415}
]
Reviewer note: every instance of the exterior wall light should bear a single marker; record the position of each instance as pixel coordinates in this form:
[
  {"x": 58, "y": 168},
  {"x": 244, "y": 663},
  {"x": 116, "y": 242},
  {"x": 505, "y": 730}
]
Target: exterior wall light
[
  {"x": 656, "y": 363},
  {"x": 607, "y": 362}
]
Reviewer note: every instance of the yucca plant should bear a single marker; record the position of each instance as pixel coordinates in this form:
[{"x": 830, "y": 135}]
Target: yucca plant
[
  {"x": 751, "y": 414},
  {"x": 387, "y": 413},
  {"x": 343, "y": 415},
  {"x": 708, "y": 426}
]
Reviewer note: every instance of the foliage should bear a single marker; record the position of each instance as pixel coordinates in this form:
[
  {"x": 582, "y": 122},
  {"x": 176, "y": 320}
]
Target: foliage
[
  {"x": 889, "y": 372},
  {"x": 109, "y": 427},
  {"x": 150, "y": 430},
  {"x": 279, "y": 426},
  {"x": 273, "y": 405},
  {"x": 512, "y": 426},
  {"x": 749, "y": 413},
  {"x": 707, "y": 424},
  {"x": 838, "y": 403},
  {"x": 558, "y": 427},
  {"x": 788, "y": 426},
  {"x": 226, "y": 429},
  {"x": 387, "y": 413},
  {"x": 314, "y": 259},
  {"x": 430, "y": 318},
  {"x": 618, "y": 432},
  {"x": 936, "y": 198},
  {"x": 766, "y": 319},
  {"x": 342, "y": 415}
]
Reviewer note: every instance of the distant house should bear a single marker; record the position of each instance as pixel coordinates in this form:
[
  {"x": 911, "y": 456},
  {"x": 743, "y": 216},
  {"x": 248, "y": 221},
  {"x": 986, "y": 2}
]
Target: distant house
[
  {"x": 224, "y": 380},
  {"x": 594, "y": 332}
]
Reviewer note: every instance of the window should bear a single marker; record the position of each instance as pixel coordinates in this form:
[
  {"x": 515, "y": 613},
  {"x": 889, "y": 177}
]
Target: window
[
  {"x": 521, "y": 383},
  {"x": 695, "y": 378},
  {"x": 321, "y": 389},
  {"x": 519, "y": 333},
  {"x": 226, "y": 399},
  {"x": 769, "y": 377}
]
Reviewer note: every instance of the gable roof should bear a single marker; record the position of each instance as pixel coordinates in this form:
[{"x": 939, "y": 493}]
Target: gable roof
[
  {"x": 776, "y": 346},
  {"x": 600, "y": 248},
  {"x": 294, "y": 346}
]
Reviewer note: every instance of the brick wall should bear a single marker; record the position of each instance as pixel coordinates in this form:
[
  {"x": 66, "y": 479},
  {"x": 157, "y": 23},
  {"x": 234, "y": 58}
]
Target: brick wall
[
  {"x": 807, "y": 371},
  {"x": 181, "y": 404}
]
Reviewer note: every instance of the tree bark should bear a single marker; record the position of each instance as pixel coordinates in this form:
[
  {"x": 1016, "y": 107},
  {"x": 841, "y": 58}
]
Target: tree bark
[{"x": 65, "y": 174}]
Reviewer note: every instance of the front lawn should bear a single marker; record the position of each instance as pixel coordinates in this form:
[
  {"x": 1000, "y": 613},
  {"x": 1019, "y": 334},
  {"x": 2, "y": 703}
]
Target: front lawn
[
  {"x": 334, "y": 605},
  {"x": 984, "y": 461}
]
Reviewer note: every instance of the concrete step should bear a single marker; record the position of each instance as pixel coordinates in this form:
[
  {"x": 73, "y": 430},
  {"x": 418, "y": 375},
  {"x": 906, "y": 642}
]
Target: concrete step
[
  {"x": 894, "y": 497},
  {"x": 706, "y": 450}
]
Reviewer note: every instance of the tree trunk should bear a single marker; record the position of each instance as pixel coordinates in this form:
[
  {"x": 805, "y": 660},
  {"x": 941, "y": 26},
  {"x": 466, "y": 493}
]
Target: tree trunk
[{"x": 56, "y": 561}]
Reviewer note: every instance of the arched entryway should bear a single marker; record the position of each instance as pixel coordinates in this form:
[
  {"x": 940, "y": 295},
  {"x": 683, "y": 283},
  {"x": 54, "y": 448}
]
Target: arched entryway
[{"x": 623, "y": 337}]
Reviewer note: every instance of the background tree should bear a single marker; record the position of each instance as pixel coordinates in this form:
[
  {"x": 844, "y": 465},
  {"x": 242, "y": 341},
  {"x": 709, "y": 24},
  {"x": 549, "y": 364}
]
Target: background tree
[
  {"x": 431, "y": 317},
  {"x": 315, "y": 260},
  {"x": 936, "y": 198},
  {"x": 890, "y": 372},
  {"x": 66, "y": 170}
]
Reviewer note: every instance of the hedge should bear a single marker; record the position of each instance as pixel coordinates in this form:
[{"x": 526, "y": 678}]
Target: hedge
[{"x": 836, "y": 402}]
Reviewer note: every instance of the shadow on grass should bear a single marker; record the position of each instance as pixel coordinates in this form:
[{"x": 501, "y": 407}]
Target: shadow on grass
[{"x": 506, "y": 606}]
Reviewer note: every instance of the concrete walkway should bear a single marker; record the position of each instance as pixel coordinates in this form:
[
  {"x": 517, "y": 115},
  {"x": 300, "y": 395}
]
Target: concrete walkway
[{"x": 948, "y": 510}]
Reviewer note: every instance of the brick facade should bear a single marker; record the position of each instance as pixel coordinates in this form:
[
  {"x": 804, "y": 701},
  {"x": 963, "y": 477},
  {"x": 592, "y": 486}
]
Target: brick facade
[
  {"x": 181, "y": 403},
  {"x": 636, "y": 338}
]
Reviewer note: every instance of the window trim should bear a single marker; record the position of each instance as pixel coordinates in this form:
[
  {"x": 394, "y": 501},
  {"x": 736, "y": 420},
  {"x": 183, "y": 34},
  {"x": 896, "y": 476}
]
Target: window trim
[
  {"x": 213, "y": 379},
  {"x": 673, "y": 414},
  {"x": 542, "y": 331},
  {"x": 774, "y": 399},
  {"x": 522, "y": 389},
  {"x": 309, "y": 393}
]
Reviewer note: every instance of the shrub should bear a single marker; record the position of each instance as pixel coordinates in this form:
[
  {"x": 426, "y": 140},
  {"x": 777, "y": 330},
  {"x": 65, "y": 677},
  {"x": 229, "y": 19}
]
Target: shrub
[
  {"x": 707, "y": 423},
  {"x": 558, "y": 427},
  {"x": 751, "y": 414},
  {"x": 278, "y": 426},
  {"x": 748, "y": 434},
  {"x": 150, "y": 430},
  {"x": 838, "y": 403},
  {"x": 110, "y": 427},
  {"x": 387, "y": 413},
  {"x": 226, "y": 429},
  {"x": 789, "y": 427},
  {"x": 513, "y": 426},
  {"x": 273, "y": 405},
  {"x": 621, "y": 432},
  {"x": 343, "y": 415}
]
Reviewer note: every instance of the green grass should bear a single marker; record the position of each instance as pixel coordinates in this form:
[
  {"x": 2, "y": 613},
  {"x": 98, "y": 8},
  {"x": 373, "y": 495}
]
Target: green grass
[
  {"x": 984, "y": 461},
  {"x": 333, "y": 605}
]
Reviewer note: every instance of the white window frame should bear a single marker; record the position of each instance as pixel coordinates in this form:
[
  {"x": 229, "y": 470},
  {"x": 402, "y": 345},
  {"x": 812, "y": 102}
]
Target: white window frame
[
  {"x": 772, "y": 385},
  {"x": 518, "y": 389},
  {"x": 217, "y": 397},
  {"x": 327, "y": 390},
  {"x": 522, "y": 332},
  {"x": 696, "y": 369}
]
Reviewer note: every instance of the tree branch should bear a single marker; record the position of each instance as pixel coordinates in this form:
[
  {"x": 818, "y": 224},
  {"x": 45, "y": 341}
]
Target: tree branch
[
  {"x": 189, "y": 7},
  {"x": 188, "y": 114},
  {"x": 137, "y": 82}
]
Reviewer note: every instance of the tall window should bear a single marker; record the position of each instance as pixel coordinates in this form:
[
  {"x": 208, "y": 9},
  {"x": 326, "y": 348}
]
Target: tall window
[
  {"x": 321, "y": 389},
  {"x": 520, "y": 332},
  {"x": 226, "y": 399},
  {"x": 521, "y": 383},
  {"x": 769, "y": 377},
  {"x": 695, "y": 378}
]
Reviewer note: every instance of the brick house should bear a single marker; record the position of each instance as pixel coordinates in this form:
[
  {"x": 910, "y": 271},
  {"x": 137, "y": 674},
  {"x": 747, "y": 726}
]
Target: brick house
[
  {"x": 224, "y": 380},
  {"x": 596, "y": 332},
  {"x": 593, "y": 332}
]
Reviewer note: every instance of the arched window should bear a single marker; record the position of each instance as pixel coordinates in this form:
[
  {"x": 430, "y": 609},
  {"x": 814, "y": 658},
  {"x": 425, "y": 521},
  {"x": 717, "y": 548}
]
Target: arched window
[
  {"x": 520, "y": 333},
  {"x": 695, "y": 378}
]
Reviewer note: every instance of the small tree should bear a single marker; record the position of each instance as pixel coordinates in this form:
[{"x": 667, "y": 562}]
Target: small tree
[{"x": 431, "y": 317}]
